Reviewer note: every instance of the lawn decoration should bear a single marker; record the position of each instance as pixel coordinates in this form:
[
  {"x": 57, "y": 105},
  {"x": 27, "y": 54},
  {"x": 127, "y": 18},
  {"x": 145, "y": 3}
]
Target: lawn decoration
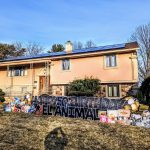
[
  {"x": 15, "y": 104},
  {"x": 107, "y": 110},
  {"x": 7, "y": 108},
  {"x": 1, "y": 107},
  {"x": 143, "y": 107},
  {"x": 132, "y": 104},
  {"x": 112, "y": 116},
  {"x": 141, "y": 120}
]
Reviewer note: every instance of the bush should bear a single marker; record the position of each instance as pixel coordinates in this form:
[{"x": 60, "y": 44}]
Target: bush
[
  {"x": 84, "y": 87},
  {"x": 133, "y": 91},
  {"x": 2, "y": 94},
  {"x": 2, "y": 99}
]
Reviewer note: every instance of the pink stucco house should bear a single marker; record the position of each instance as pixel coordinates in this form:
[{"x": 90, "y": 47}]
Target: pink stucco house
[{"x": 115, "y": 65}]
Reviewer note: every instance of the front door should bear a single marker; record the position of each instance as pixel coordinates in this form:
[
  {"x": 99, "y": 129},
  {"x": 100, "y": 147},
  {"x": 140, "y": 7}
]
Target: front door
[{"x": 42, "y": 84}]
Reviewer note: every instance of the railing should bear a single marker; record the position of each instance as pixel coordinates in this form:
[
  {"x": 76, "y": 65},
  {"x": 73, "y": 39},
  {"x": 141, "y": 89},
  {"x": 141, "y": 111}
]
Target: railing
[
  {"x": 17, "y": 90},
  {"x": 22, "y": 90}
]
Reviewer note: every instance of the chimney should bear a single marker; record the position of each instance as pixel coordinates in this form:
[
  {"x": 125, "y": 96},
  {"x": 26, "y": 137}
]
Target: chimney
[{"x": 69, "y": 47}]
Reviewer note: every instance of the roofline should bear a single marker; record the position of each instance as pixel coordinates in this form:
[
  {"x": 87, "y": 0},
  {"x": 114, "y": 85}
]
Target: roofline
[
  {"x": 92, "y": 54},
  {"x": 128, "y": 46},
  {"x": 74, "y": 56}
]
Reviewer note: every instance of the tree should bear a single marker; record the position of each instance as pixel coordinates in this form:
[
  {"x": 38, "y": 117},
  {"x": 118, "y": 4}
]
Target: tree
[
  {"x": 77, "y": 45},
  {"x": 142, "y": 36},
  {"x": 33, "y": 49},
  {"x": 57, "y": 48},
  {"x": 145, "y": 89},
  {"x": 84, "y": 87},
  {"x": 20, "y": 49},
  {"x": 90, "y": 44},
  {"x": 9, "y": 50}
]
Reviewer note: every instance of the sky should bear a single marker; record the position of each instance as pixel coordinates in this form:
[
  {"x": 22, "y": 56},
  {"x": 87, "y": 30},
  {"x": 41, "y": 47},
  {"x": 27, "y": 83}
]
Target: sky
[{"x": 56, "y": 21}]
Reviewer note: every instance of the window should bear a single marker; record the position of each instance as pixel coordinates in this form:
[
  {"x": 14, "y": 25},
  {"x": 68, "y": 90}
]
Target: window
[
  {"x": 17, "y": 71},
  {"x": 111, "y": 61},
  {"x": 66, "y": 64},
  {"x": 113, "y": 91}
]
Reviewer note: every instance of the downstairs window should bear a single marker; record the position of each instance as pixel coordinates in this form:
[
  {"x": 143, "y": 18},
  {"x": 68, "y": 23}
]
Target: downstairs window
[{"x": 113, "y": 90}]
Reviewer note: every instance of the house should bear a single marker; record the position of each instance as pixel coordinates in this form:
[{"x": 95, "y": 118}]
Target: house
[{"x": 115, "y": 65}]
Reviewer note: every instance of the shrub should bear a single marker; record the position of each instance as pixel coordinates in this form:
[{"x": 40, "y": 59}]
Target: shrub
[
  {"x": 2, "y": 94},
  {"x": 84, "y": 87},
  {"x": 133, "y": 91}
]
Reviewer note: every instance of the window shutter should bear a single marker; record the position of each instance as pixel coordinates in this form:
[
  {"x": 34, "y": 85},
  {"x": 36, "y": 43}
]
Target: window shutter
[
  {"x": 113, "y": 59},
  {"x": 115, "y": 88},
  {"x": 9, "y": 73},
  {"x": 107, "y": 61},
  {"x": 110, "y": 92},
  {"x": 25, "y": 71}
]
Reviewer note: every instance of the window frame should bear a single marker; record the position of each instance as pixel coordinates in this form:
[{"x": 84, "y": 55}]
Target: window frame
[
  {"x": 109, "y": 61},
  {"x": 112, "y": 92},
  {"x": 12, "y": 71},
  {"x": 63, "y": 61}
]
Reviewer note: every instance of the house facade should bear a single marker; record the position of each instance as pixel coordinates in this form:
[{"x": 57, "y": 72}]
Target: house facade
[{"x": 114, "y": 65}]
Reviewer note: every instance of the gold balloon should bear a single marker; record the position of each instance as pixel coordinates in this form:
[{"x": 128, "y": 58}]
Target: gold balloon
[
  {"x": 134, "y": 107},
  {"x": 127, "y": 107},
  {"x": 137, "y": 103},
  {"x": 127, "y": 98}
]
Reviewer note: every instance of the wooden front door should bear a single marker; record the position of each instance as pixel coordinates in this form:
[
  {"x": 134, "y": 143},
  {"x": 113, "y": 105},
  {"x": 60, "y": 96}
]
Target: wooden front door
[{"x": 42, "y": 84}]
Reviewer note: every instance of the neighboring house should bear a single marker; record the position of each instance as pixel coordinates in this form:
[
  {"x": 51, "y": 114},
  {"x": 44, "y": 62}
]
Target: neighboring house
[{"x": 115, "y": 65}]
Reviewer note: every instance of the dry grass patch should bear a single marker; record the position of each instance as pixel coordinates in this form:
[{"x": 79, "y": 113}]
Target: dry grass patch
[{"x": 29, "y": 132}]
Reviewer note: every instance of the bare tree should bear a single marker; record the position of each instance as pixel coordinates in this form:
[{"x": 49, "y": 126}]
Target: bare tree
[
  {"x": 77, "y": 45},
  {"x": 33, "y": 48},
  {"x": 20, "y": 49},
  {"x": 90, "y": 44},
  {"x": 142, "y": 36},
  {"x": 18, "y": 45}
]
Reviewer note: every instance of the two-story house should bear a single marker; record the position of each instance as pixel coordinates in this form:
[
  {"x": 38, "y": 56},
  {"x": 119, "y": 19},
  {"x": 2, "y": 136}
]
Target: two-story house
[{"x": 115, "y": 65}]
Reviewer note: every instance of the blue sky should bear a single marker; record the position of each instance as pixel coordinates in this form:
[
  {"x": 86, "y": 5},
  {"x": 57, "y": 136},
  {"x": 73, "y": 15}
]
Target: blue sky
[{"x": 56, "y": 21}]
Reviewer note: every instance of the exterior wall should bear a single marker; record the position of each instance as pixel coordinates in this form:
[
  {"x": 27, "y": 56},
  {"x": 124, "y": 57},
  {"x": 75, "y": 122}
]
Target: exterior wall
[
  {"x": 125, "y": 74},
  {"x": 126, "y": 70},
  {"x": 125, "y": 88},
  {"x": 19, "y": 85},
  {"x": 58, "y": 90},
  {"x": 14, "y": 84},
  {"x": 102, "y": 92},
  {"x": 38, "y": 70}
]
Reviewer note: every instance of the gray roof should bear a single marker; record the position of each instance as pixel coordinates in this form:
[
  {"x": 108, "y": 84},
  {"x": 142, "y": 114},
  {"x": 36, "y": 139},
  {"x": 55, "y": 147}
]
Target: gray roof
[{"x": 78, "y": 51}]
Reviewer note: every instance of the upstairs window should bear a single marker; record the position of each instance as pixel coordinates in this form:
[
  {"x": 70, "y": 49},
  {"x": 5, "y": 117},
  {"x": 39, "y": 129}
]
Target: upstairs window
[
  {"x": 113, "y": 90},
  {"x": 66, "y": 64},
  {"x": 17, "y": 71},
  {"x": 111, "y": 61}
]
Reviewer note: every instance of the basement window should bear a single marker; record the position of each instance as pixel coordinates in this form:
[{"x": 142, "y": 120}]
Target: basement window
[{"x": 113, "y": 90}]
